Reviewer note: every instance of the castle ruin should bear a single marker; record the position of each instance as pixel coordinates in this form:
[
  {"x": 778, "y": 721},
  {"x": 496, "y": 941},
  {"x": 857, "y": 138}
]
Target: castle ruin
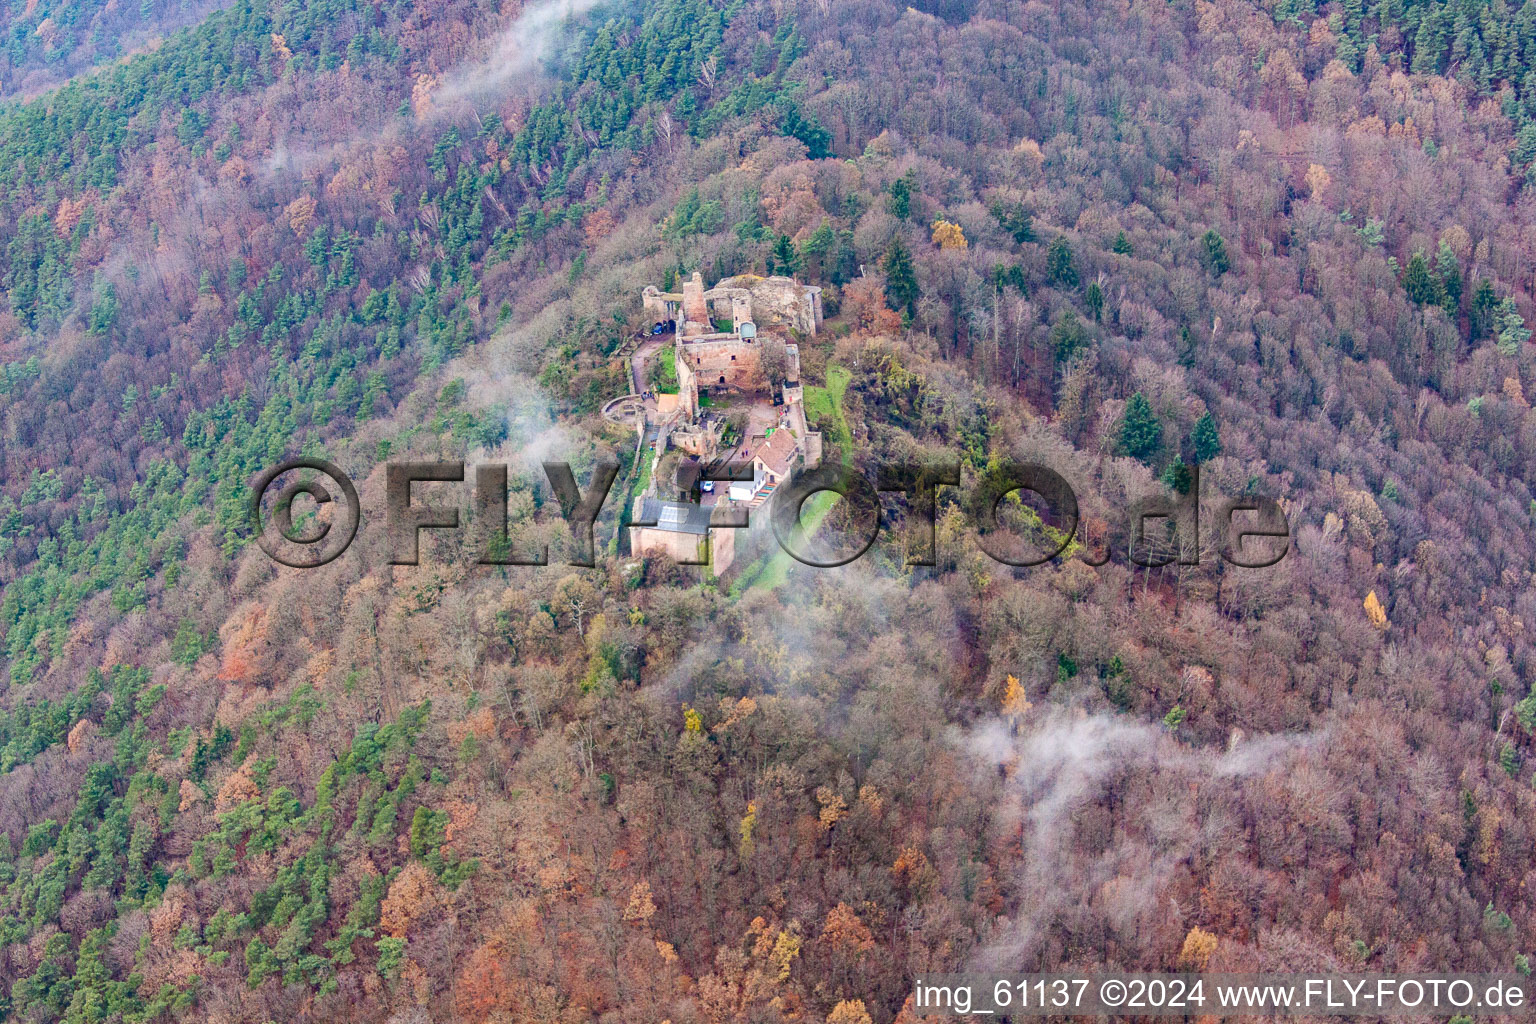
[
  {"x": 720, "y": 332},
  {"x": 724, "y": 336}
]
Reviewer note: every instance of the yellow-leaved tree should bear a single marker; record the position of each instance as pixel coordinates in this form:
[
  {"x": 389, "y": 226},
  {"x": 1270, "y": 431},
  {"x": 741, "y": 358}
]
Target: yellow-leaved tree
[
  {"x": 641, "y": 906},
  {"x": 849, "y": 1011},
  {"x": 1318, "y": 180},
  {"x": 748, "y": 825},
  {"x": 1199, "y": 946},
  {"x": 1015, "y": 704},
  {"x": 948, "y": 235},
  {"x": 1375, "y": 612}
]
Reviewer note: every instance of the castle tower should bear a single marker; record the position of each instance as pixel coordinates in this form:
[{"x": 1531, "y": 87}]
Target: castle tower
[{"x": 695, "y": 308}]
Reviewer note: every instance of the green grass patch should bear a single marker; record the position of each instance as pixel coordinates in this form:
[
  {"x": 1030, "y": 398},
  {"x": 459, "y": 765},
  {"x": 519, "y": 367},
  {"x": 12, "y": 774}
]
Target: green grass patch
[
  {"x": 824, "y": 407},
  {"x": 643, "y": 478},
  {"x": 661, "y": 372},
  {"x": 772, "y": 571},
  {"x": 642, "y": 481}
]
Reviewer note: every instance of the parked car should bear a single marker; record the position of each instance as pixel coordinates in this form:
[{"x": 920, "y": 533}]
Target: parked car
[
  {"x": 659, "y": 329},
  {"x": 707, "y": 486}
]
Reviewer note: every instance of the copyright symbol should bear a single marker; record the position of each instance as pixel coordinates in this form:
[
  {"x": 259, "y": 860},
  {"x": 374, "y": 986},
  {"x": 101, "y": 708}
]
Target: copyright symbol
[
  {"x": 1112, "y": 993},
  {"x": 322, "y": 539}
]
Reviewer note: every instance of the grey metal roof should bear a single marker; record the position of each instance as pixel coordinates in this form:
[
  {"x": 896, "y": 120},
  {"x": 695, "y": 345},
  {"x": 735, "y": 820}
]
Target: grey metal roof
[{"x": 675, "y": 516}]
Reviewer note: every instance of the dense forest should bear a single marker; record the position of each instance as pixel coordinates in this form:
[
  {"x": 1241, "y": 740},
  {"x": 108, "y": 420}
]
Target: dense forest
[
  {"x": 1289, "y": 243},
  {"x": 48, "y": 42}
]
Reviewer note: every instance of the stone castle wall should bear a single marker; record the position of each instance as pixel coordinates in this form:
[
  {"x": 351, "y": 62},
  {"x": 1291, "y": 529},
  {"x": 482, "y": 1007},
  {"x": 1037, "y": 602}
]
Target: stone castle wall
[
  {"x": 766, "y": 301},
  {"x": 685, "y": 547},
  {"x": 739, "y": 362},
  {"x": 687, "y": 382}
]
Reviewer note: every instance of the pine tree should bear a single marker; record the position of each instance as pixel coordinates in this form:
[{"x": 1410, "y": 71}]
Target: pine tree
[
  {"x": 1122, "y": 246},
  {"x": 1093, "y": 298},
  {"x": 1177, "y": 476},
  {"x": 1448, "y": 268},
  {"x": 786, "y": 259},
  {"x": 1347, "y": 53},
  {"x": 1525, "y": 145},
  {"x": 1068, "y": 336},
  {"x": 1421, "y": 286},
  {"x": 845, "y": 265},
  {"x": 1187, "y": 348},
  {"x": 901, "y": 289},
  {"x": 1141, "y": 435},
  {"x": 900, "y": 204},
  {"x": 1484, "y": 301},
  {"x": 1205, "y": 440},
  {"x": 1216, "y": 252},
  {"x": 1429, "y": 45},
  {"x": 819, "y": 247},
  {"x": 809, "y": 130},
  {"x": 1061, "y": 263},
  {"x": 1510, "y": 326},
  {"x": 1017, "y": 221}
]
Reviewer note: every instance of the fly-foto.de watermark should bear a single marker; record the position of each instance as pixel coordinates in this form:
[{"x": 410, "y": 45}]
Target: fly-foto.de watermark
[
  {"x": 1253, "y": 530},
  {"x": 1221, "y": 995}
]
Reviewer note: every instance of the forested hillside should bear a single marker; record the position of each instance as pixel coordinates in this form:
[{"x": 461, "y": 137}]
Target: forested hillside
[
  {"x": 1290, "y": 243},
  {"x": 48, "y": 42}
]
